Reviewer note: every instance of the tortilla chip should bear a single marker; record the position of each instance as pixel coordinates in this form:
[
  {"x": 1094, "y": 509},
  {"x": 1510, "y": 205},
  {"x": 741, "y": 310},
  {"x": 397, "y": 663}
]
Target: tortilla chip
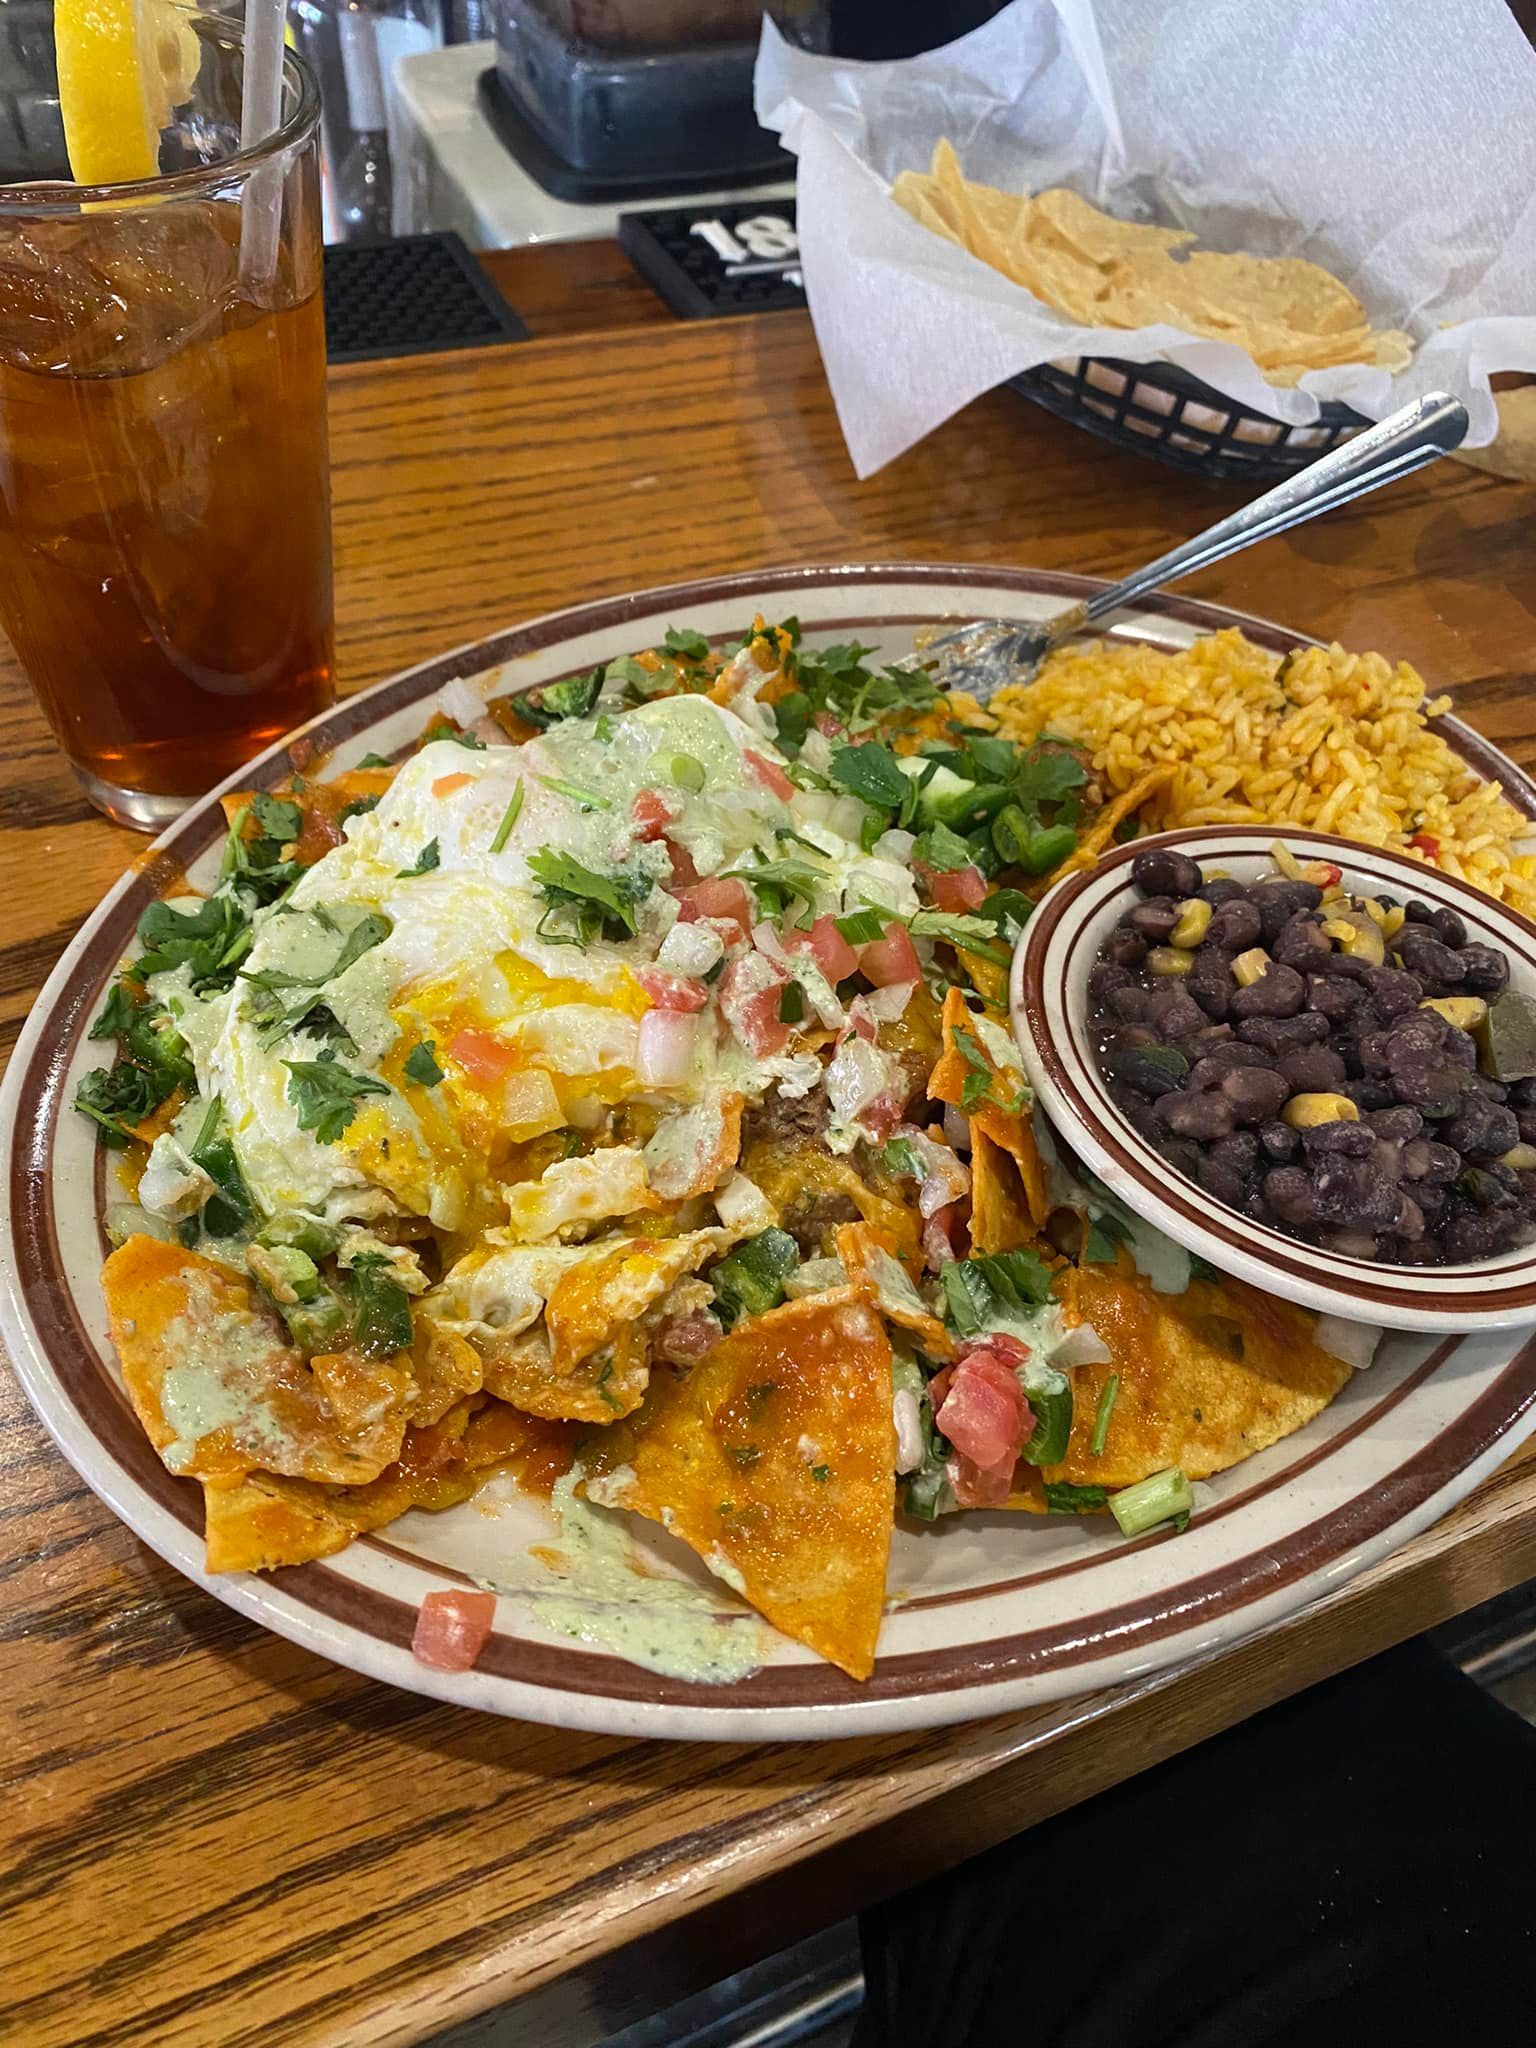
[
  {"x": 1108, "y": 821},
  {"x": 992, "y": 1115},
  {"x": 599, "y": 1388},
  {"x": 592, "y": 1303},
  {"x": 694, "y": 1151},
  {"x": 264, "y": 1521},
  {"x": 1207, "y": 1378},
  {"x": 256, "y": 1404},
  {"x": 869, "y": 1257},
  {"x": 796, "y": 1176},
  {"x": 773, "y": 1459},
  {"x": 988, "y": 977},
  {"x": 1002, "y": 1210}
]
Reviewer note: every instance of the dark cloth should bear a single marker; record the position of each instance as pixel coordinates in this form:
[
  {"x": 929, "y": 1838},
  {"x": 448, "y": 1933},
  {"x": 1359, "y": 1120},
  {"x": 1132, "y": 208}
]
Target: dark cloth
[{"x": 1357, "y": 1865}]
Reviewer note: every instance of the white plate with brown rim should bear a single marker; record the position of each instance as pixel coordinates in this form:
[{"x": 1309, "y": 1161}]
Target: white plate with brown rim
[
  {"x": 986, "y": 1612},
  {"x": 1051, "y": 1022}
]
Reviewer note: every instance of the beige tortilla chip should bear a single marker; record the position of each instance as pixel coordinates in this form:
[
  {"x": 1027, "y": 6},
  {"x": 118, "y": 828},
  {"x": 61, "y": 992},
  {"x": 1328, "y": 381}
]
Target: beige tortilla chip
[{"x": 773, "y": 1459}]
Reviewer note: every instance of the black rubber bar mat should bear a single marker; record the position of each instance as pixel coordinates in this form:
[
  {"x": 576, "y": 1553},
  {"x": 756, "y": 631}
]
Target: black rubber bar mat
[
  {"x": 408, "y": 295},
  {"x": 742, "y": 256}
]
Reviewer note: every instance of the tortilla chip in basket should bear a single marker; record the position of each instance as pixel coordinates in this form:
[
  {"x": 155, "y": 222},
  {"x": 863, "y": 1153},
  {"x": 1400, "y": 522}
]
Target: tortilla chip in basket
[{"x": 773, "y": 1459}]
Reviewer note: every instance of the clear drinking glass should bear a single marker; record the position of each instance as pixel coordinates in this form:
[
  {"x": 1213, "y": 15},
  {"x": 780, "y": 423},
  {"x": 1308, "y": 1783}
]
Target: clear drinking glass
[{"x": 165, "y": 544}]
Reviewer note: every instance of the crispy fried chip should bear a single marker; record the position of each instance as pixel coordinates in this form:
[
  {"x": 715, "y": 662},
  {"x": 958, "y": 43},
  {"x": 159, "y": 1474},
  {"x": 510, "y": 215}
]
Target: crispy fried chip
[
  {"x": 798, "y": 1179},
  {"x": 218, "y": 1388},
  {"x": 1105, "y": 825},
  {"x": 693, "y": 1151},
  {"x": 1001, "y": 1208},
  {"x": 599, "y": 1388},
  {"x": 1207, "y": 1378},
  {"x": 265, "y": 1521},
  {"x": 869, "y": 1256},
  {"x": 1001, "y": 1114},
  {"x": 773, "y": 1459}
]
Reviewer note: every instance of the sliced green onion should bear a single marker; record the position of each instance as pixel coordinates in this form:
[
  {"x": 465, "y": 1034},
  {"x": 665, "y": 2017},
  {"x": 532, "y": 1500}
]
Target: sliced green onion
[
  {"x": 688, "y": 772},
  {"x": 860, "y": 927},
  {"x": 1050, "y": 1397},
  {"x": 509, "y": 818},
  {"x": 1160, "y": 1497},
  {"x": 791, "y": 1003},
  {"x": 1106, "y": 1408},
  {"x": 588, "y": 799}
]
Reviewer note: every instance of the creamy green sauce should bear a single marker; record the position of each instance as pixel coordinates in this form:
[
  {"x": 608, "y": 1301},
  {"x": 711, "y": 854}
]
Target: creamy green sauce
[
  {"x": 599, "y": 1597},
  {"x": 215, "y": 1382}
]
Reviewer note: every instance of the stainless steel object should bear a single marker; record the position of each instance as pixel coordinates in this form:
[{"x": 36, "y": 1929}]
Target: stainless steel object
[{"x": 983, "y": 656}]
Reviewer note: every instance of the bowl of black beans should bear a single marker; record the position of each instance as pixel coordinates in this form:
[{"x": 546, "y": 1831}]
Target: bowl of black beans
[{"x": 1310, "y": 1062}]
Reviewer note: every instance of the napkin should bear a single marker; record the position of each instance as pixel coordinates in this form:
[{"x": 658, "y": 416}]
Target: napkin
[{"x": 1391, "y": 141}]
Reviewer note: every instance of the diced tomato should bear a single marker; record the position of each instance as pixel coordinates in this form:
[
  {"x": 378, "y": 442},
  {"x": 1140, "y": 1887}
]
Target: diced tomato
[
  {"x": 671, "y": 991},
  {"x": 828, "y": 726},
  {"x": 652, "y": 812},
  {"x": 769, "y": 774},
  {"x": 1427, "y": 844},
  {"x": 979, "y": 1486},
  {"x": 1011, "y": 1350},
  {"x": 727, "y": 900},
  {"x": 750, "y": 1004},
  {"x": 943, "y": 1236},
  {"x": 860, "y": 1023},
  {"x": 984, "y": 1413},
  {"x": 957, "y": 889},
  {"x": 684, "y": 874},
  {"x": 445, "y": 785},
  {"x": 452, "y": 1629},
  {"x": 890, "y": 959},
  {"x": 827, "y": 947},
  {"x": 881, "y": 1117},
  {"x": 482, "y": 1055}
]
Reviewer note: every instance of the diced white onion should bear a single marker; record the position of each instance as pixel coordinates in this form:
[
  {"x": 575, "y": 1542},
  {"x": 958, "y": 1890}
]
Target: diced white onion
[
  {"x": 1354, "y": 1342},
  {"x": 816, "y": 751},
  {"x": 529, "y": 1099},
  {"x": 909, "y": 1430},
  {"x": 885, "y": 1005},
  {"x": 816, "y": 1276},
  {"x": 957, "y": 1127},
  {"x": 945, "y": 1178},
  {"x": 1082, "y": 1346},
  {"x": 858, "y": 1073},
  {"x": 894, "y": 845},
  {"x": 742, "y": 1205},
  {"x": 664, "y": 1055},
  {"x": 769, "y": 944},
  {"x": 171, "y": 1185},
  {"x": 690, "y": 949},
  {"x": 460, "y": 702}
]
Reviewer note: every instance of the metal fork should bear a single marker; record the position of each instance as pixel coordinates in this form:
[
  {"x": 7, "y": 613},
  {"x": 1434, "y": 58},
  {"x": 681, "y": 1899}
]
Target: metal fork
[{"x": 984, "y": 655}]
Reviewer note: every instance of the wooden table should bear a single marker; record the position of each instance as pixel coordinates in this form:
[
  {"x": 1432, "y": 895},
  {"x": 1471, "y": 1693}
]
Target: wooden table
[{"x": 212, "y": 1838}]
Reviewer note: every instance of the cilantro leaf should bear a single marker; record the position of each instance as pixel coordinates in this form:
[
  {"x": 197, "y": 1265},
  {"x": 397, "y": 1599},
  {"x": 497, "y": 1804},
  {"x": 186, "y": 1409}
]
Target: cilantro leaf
[
  {"x": 375, "y": 761},
  {"x": 421, "y": 1065},
  {"x": 1046, "y": 773},
  {"x": 210, "y": 941},
  {"x": 900, "y": 1156},
  {"x": 1104, "y": 1234},
  {"x": 284, "y": 1001},
  {"x": 1009, "y": 910},
  {"x": 116, "y": 1014},
  {"x": 869, "y": 772},
  {"x": 792, "y": 720},
  {"x": 574, "y": 697},
  {"x": 442, "y": 730},
  {"x": 682, "y": 640},
  {"x": 326, "y": 1095},
  {"x": 425, "y": 862},
  {"x": 277, "y": 818},
  {"x": 777, "y": 883},
  {"x": 584, "y": 905},
  {"x": 1063, "y": 1498},
  {"x": 943, "y": 849},
  {"x": 980, "y": 1291}
]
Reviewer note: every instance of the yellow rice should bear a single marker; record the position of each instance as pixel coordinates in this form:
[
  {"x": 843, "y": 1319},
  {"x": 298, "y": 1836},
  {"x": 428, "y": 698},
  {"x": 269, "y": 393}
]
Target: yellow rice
[{"x": 1321, "y": 738}]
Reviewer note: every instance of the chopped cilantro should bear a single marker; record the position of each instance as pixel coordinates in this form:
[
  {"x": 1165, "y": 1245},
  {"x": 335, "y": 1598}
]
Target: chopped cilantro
[
  {"x": 792, "y": 721},
  {"x": 326, "y": 1095},
  {"x": 1104, "y": 1234},
  {"x": 442, "y": 730},
  {"x": 583, "y": 905},
  {"x": 209, "y": 941},
  {"x": 575, "y": 697},
  {"x": 869, "y": 772},
  {"x": 900, "y": 1155},
  {"x": 282, "y": 1001},
  {"x": 977, "y": 1291},
  {"x": 1063, "y": 1498},
  {"x": 821, "y": 1474},
  {"x": 421, "y": 1064},
  {"x": 777, "y": 883},
  {"x": 683, "y": 641},
  {"x": 424, "y": 863},
  {"x": 375, "y": 761},
  {"x": 277, "y": 818},
  {"x": 943, "y": 849},
  {"x": 509, "y": 817},
  {"x": 381, "y": 1308}
]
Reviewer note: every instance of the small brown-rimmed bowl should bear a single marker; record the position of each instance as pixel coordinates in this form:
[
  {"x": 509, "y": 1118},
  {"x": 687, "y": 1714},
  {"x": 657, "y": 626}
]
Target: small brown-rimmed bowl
[{"x": 1051, "y": 1021}]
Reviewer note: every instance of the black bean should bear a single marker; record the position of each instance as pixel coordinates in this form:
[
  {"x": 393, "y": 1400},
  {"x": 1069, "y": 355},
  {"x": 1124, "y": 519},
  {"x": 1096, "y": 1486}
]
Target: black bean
[
  {"x": 1233, "y": 1053},
  {"x": 1371, "y": 1051},
  {"x": 1104, "y": 977},
  {"x": 1430, "y": 959},
  {"x": 1449, "y": 927},
  {"x": 1301, "y": 943},
  {"x": 1279, "y": 1034},
  {"x": 1425, "y": 1159},
  {"x": 1336, "y": 998},
  {"x": 1125, "y": 948},
  {"x": 1192, "y": 1115},
  {"x": 1154, "y": 919},
  {"x": 1354, "y": 1193},
  {"x": 1418, "y": 913},
  {"x": 1279, "y": 992},
  {"x": 1289, "y": 1193},
  {"x": 1522, "y": 1095},
  {"x": 1131, "y": 1005},
  {"x": 1201, "y": 1044},
  {"x": 1393, "y": 992},
  {"x": 1162, "y": 872},
  {"x": 1240, "y": 1150},
  {"x": 1486, "y": 971},
  {"x": 1311, "y": 1069},
  {"x": 1370, "y": 1091},
  {"x": 1175, "y": 1014},
  {"x": 1235, "y": 926},
  {"x": 1227, "y": 1183},
  {"x": 1407, "y": 1252},
  {"x": 1277, "y": 902},
  {"x": 1349, "y": 1140},
  {"x": 1255, "y": 1093},
  {"x": 1495, "y": 1091},
  {"x": 1432, "y": 1087},
  {"x": 1399, "y": 1124},
  {"x": 1419, "y": 1034},
  {"x": 1432, "y": 1199},
  {"x": 1477, "y": 1233},
  {"x": 1222, "y": 889},
  {"x": 1527, "y": 1123},
  {"x": 1279, "y": 1142},
  {"x": 1481, "y": 1127}
]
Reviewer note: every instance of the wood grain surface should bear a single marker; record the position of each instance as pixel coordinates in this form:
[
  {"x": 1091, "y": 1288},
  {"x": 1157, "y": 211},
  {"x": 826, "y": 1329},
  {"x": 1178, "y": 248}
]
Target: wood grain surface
[{"x": 211, "y": 1837}]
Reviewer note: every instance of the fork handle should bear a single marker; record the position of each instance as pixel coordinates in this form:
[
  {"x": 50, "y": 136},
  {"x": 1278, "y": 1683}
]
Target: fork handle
[{"x": 1404, "y": 441}]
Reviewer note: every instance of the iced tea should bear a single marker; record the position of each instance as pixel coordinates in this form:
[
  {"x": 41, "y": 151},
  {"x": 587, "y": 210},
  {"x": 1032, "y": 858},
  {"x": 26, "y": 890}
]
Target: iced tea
[{"x": 164, "y": 499}]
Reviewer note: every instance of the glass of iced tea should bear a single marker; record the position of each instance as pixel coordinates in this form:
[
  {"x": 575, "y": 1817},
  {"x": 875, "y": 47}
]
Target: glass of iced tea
[{"x": 165, "y": 545}]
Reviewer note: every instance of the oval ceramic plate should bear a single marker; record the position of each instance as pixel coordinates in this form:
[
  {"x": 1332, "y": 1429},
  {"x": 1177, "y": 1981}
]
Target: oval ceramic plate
[
  {"x": 1050, "y": 1014},
  {"x": 987, "y": 1612}
]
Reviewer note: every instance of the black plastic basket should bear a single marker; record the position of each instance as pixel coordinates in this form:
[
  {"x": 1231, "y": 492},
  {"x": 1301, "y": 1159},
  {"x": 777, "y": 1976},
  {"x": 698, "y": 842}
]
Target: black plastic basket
[{"x": 1160, "y": 410}]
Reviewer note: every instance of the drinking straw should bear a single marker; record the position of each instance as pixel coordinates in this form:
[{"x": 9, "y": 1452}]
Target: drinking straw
[{"x": 261, "y": 101}]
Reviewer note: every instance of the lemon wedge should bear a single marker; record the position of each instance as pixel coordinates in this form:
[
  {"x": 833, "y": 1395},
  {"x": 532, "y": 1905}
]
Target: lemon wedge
[{"x": 124, "y": 67}]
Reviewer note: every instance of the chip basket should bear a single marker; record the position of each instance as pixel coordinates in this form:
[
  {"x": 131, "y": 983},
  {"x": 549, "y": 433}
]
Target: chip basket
[{"x": 1160, "y": 410}]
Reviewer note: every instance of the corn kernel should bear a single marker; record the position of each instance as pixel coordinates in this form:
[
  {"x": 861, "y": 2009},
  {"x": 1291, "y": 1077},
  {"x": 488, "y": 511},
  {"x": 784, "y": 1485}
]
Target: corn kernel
[
  {"x": 1521, "y": 1158},
  {"x": 1169, "y": 960},
  {"x": 1356, "y": 935},
  {"x": 1465, "y": 1012},
  {"x": 1251, "y": 966},
  {"x": 1194, "y": 922},
  {"x": 1285, "y": 861},
  {"x": 1394, "y": 921},
  {"x": 1306, "y": 1112}
]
